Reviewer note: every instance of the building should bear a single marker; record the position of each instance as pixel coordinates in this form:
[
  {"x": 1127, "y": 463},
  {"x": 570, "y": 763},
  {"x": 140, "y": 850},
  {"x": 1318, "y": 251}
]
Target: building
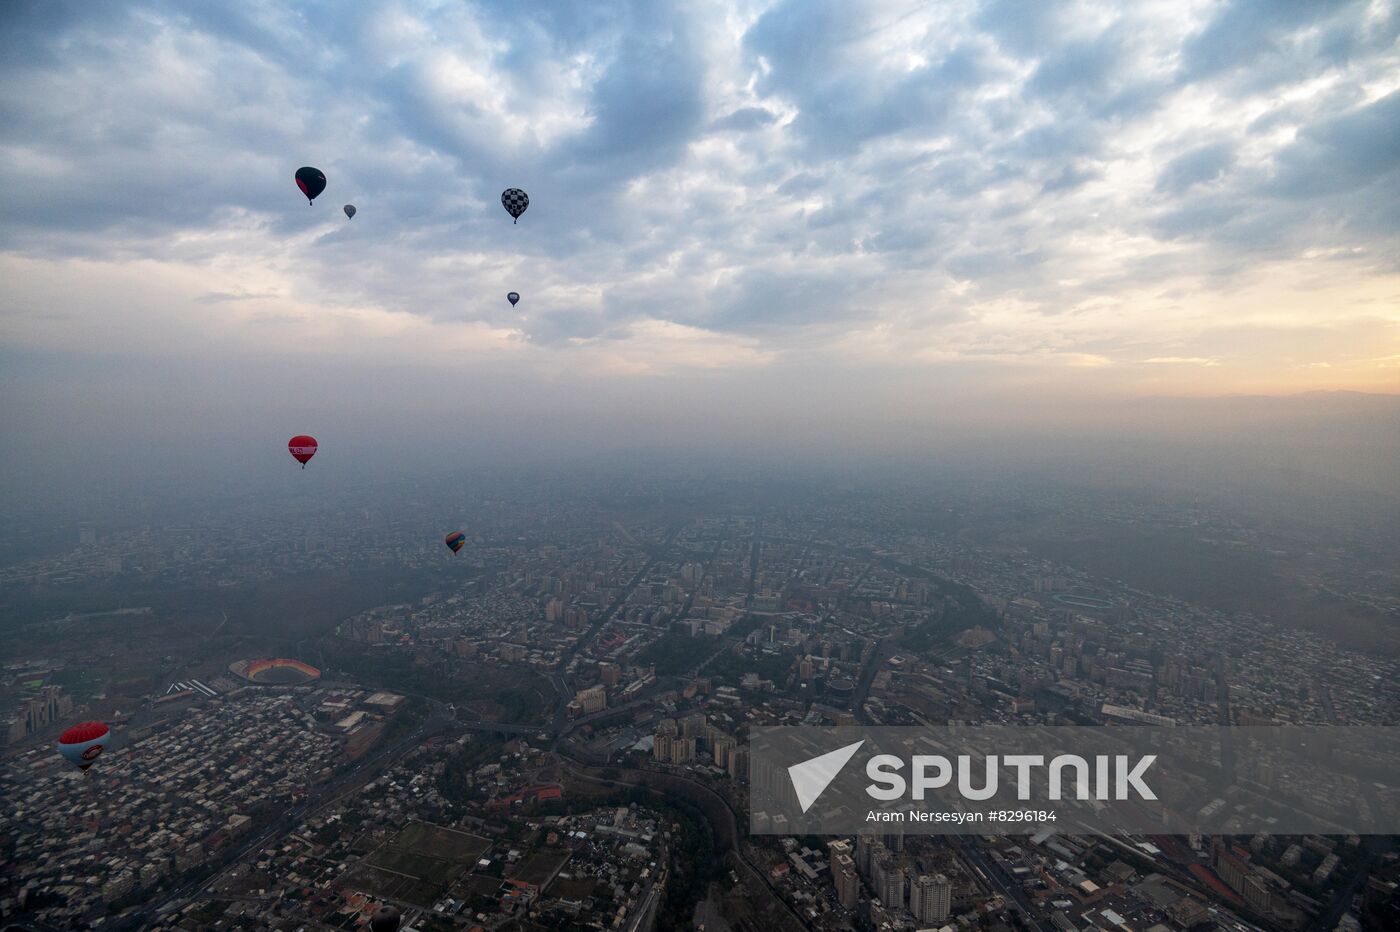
[
  {"x": 610, "y": 673},
  {"x": 889, "y": 881},
  {"x": 682, "y": 750},
  {"x": 37, "y": 713},
  {"x": 739, "y": 764},
  {"x": 723, "y": 747},
  {"x": 593, "y": 699},
  {"x": 385, "y": 702},
  {"x": 846, "y": 880},
  {"x": 931, "y": 900},
  {"x": 693, "y": 725}
]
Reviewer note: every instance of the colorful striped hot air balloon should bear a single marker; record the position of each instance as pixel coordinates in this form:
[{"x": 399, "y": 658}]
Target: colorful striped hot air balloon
[
  {"x": 83, "y": 743},
  {"x": 456, "y": 541}
]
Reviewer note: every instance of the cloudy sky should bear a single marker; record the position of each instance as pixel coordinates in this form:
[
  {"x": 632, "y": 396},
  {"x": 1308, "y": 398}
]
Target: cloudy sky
[{"x": 836, "y": 206}]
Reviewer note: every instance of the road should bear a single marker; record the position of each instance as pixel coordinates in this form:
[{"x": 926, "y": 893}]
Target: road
[
  {"x": 723, "y": 820},
  {"x": 1007, "y": 887},
  {"x": 561, "y": 684}
]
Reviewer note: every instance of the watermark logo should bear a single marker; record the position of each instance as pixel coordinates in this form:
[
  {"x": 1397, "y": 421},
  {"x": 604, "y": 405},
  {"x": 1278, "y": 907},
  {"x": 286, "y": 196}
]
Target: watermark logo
[
  {"x": 811, "y": 777},
  {"x": 1114, "y": 780}
]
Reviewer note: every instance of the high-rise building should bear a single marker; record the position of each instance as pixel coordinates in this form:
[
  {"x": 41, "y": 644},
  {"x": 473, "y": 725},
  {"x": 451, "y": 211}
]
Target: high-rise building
[
  {"x": 682, "y": 750},
  {"x": 661, "y": 747},
  {"x": 739, "y": 764},
  {"x": 867, "y": 849},
  {"x": 846, "y": 881},
  {"x": 931, "y": 900},
  {"x": 889, "y": 881},
  {"x": 610, "y": 673},
  {"x": 693, "y": 725},
  {"x": 723, "y": 746}
]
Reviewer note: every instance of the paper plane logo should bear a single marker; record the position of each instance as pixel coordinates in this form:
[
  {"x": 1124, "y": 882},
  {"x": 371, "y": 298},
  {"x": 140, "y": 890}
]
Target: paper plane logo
[{"x": 811, "y": 777}]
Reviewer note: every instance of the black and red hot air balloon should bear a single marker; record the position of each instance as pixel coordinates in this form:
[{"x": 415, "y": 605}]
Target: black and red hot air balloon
[
  {"x": 312, "y": 182},
  {"x": 302, "y": 448}
]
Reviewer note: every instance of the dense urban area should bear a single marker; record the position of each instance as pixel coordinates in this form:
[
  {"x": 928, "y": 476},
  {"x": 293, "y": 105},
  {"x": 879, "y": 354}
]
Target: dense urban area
[{"x": 548, "y": 730}]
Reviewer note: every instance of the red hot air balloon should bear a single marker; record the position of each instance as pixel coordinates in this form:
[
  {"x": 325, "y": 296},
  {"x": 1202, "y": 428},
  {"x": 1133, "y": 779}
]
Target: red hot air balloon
[
  {"x": 83, "y": 743},
  {"x": 302, "y": 448}
]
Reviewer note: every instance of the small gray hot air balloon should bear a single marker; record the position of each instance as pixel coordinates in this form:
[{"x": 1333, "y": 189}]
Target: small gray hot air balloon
[
  {"x": 349, "y": 210},
  {"x": 513, "y": 298}
]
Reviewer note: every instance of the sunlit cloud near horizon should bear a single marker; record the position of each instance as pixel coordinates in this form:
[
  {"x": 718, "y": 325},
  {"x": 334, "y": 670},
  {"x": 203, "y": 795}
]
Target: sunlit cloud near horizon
[{"x": 1118, "y": 200}]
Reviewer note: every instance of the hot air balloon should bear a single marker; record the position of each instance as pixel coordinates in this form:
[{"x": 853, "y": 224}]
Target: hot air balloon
[
  {"x": 83, "y": 743},
  {"x": 349, "y": 210},
  {"x": 385, "y": 919},
  {"x": 311, "y": 181},
  {"x": 513, "y": 298},
  {"x": 302, "y": 448},
  {"x": 515, "y": 201},
  {"x": 456, "y": 541}
]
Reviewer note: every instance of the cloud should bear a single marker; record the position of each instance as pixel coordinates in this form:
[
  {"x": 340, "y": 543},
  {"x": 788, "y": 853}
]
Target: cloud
[
  {"x": 1182, "y": 361},
  {"x": 1199, "y": 166},
  {"x": 772, "y": 183}
]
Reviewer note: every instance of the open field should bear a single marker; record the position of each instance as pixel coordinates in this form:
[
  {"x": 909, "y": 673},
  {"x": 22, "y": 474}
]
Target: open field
[{"x": 419, "y": 864}]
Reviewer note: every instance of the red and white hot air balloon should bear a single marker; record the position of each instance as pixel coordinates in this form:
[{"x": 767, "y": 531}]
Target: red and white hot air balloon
[
  {"x": 83, "y": 743},
  {"x": 302, "y": 448}
]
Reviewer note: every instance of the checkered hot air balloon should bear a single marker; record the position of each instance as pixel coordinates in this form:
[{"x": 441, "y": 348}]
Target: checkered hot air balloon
[{"x": 515, "y": 201}]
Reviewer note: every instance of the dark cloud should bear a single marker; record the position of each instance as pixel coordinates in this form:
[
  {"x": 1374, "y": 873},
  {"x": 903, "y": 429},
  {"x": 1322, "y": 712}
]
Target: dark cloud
[
  {"x": 1069, "y": 178},
  {"x": 1205, "y": 164},
  {"x": 1343, "y": 153}
]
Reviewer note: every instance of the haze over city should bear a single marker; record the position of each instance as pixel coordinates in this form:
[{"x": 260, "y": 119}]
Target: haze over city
[{"x": 662, "y": 375}]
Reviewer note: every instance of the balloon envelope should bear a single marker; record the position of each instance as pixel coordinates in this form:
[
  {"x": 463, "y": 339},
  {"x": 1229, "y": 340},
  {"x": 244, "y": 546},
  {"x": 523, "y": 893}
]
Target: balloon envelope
[
  {"x": 311, "y": 181},
  {"x": 513, "y": 298},
  {"x": 515, "y": 201},
  {"x": 349, "y": 210},
  {"x": 302, "y": 448},
  {"x": 385, "y": 919},
  {"x": 456, "y": 541},
  {"x": 83, "y": 743}
]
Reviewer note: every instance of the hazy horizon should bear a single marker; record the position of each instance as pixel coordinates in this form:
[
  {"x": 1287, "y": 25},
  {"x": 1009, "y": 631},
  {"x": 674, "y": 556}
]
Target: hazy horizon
[{"x": 785, "y": 225}]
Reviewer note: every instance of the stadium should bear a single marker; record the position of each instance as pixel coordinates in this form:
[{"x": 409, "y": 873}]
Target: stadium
[{"x": 275, "y": 671}]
